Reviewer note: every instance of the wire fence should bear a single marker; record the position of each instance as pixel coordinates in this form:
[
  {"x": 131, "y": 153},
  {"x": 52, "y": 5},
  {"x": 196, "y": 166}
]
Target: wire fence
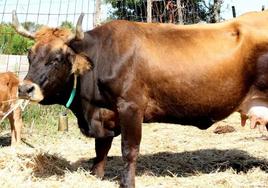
[
  {"x": 32, "y": 14},
  {"x": 163, "y": 11},
  {"x": 35, "y": 13},
  {"x": 48, "y": 12}
]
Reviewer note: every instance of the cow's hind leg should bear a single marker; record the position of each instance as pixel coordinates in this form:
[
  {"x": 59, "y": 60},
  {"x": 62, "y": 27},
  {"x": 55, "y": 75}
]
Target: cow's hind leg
[
  {"x": 130, "y": 120},
  {"x": 102, "y": 147}
]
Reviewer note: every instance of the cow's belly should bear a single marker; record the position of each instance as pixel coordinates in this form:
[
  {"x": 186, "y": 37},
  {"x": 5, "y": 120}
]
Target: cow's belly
[
  {"x": 196, "y": 104},
  {"x": 196, "y": 93},
  {"x": 201, "y": 114},
  {"x": 198, "y": 121}
]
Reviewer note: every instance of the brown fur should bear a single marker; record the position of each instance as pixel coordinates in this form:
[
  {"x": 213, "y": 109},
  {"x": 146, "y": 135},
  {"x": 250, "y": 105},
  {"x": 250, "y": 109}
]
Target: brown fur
[
  {"x": 47, "y": 34},
  {"x": 57, "y": 38},
  {"x": 80, "y": 65},
  {"x": 8, "y": 92}
]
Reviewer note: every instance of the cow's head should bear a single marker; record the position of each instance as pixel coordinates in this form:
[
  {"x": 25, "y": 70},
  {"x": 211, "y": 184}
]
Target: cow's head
[{"x": 52, "y": 61}]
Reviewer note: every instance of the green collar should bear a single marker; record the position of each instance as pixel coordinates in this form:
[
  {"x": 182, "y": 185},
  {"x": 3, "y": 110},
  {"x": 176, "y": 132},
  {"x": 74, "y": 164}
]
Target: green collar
[{"x": 71, "y": 98}]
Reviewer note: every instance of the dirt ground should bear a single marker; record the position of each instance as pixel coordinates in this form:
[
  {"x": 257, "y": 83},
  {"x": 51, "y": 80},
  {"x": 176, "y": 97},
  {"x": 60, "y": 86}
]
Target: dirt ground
[{"x": 170, "y": 156}]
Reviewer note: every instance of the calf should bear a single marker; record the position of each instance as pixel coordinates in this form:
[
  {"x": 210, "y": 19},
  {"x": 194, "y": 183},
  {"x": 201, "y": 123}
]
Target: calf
[{"x": 8, "y": 95}]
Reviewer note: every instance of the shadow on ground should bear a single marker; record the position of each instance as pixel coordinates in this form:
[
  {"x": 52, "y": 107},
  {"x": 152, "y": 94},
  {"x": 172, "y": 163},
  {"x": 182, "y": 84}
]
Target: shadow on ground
[
  {"x": 5, "y": 140},
  {"x": 159, "y": 164}
]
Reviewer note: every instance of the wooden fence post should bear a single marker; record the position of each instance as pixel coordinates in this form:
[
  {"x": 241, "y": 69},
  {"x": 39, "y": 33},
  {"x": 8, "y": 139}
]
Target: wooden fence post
[
  {"x": 180, "y": 15},
  {"x": 63, "y": 122},
  {"x": 149, "y": 11},
  {"x": 97, "y": 14}
]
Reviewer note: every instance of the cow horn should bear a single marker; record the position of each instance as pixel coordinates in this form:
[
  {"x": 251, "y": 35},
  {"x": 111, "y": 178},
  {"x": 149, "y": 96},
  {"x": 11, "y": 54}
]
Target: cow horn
[
  {"x": 21, "y": 30},
  {"x": 79, "y": 34}
]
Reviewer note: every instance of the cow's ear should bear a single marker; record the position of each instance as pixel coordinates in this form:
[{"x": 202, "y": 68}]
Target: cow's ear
[{"x": 80, "y": 64}]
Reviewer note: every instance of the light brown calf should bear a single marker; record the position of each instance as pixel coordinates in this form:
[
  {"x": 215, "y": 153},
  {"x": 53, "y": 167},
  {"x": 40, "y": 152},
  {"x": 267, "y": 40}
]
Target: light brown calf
[{"x": 8, "y": 94}]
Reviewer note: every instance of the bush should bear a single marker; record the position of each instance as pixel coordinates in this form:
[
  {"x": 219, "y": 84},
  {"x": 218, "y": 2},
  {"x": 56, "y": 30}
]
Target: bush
[{"x": 11, "y": 42}]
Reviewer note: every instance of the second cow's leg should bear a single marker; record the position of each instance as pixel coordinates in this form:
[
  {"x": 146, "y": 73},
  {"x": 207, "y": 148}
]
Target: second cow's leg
[
  {"x": 16, "y": 123},
  {"x": 13, "y": 129},
  {"x": 102, "y": 147}
]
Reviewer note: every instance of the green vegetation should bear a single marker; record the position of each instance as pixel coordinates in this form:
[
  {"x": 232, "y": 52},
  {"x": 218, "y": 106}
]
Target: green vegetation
[
  {"x": 15, "y": 44},
  {"x": 11, "y": 42},
  {"x": 42, "y": 115},
  {"x": 40, "y": 118},
  {"x": 193, "y": 11},
  {"x": 67, "y": 25}
]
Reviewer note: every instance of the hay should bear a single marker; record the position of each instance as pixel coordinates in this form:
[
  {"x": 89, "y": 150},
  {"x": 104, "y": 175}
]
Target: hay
[
  {"x": 45, "y": 165},
  {"x": 170, "y": 156},
  {"x": 20, "y": 103}
]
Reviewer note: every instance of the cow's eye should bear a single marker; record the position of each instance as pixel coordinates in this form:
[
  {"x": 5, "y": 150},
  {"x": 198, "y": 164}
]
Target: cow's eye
[
  {"x": 54, "y": 61},
  {"x": 57, "y": 59},
  {"x": 51, "y": 62}
]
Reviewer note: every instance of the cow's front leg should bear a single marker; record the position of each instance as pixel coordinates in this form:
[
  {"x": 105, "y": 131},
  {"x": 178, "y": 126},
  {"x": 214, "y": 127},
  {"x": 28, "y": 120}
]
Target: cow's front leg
[
  {"x": 16, "y": 124},
  {"x": 13, "y": 129},
  {"x": 130, "y": 119},
  {"x": 102, "y": 147}
]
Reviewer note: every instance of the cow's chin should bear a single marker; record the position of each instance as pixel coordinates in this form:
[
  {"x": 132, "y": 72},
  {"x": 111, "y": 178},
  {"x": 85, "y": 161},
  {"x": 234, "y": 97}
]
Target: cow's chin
[
  {"x": 32, "y": 99},
  {"x": 36, "y": 97},
  {"x": 35, "y": 100}
]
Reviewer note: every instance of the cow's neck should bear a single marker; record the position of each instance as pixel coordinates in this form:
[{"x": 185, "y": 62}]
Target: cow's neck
[
  {"x": 86, "y": 47},
  {"x": 89, "y": 86}
]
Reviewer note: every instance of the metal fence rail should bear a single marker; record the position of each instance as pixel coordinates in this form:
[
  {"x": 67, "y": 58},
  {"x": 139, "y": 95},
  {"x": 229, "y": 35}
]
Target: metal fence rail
[
  {"x": 48, "y": 12},
  {"x": 40, "y": 12}
]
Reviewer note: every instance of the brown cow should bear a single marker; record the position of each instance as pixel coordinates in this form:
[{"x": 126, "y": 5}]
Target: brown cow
[
  {"x": 193, "y": 75},
  {"x": 8, "y": 96}
]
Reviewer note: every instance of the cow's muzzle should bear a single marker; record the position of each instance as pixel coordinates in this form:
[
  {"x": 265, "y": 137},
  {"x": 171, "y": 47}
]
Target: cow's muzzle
[{"x": 30, "y": 91}]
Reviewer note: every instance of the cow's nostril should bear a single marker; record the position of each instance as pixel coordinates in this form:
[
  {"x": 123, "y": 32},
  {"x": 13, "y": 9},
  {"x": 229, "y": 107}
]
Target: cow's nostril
[
  {"x": 30, "y": 89},
  {"x": 25, "y": 90}
]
